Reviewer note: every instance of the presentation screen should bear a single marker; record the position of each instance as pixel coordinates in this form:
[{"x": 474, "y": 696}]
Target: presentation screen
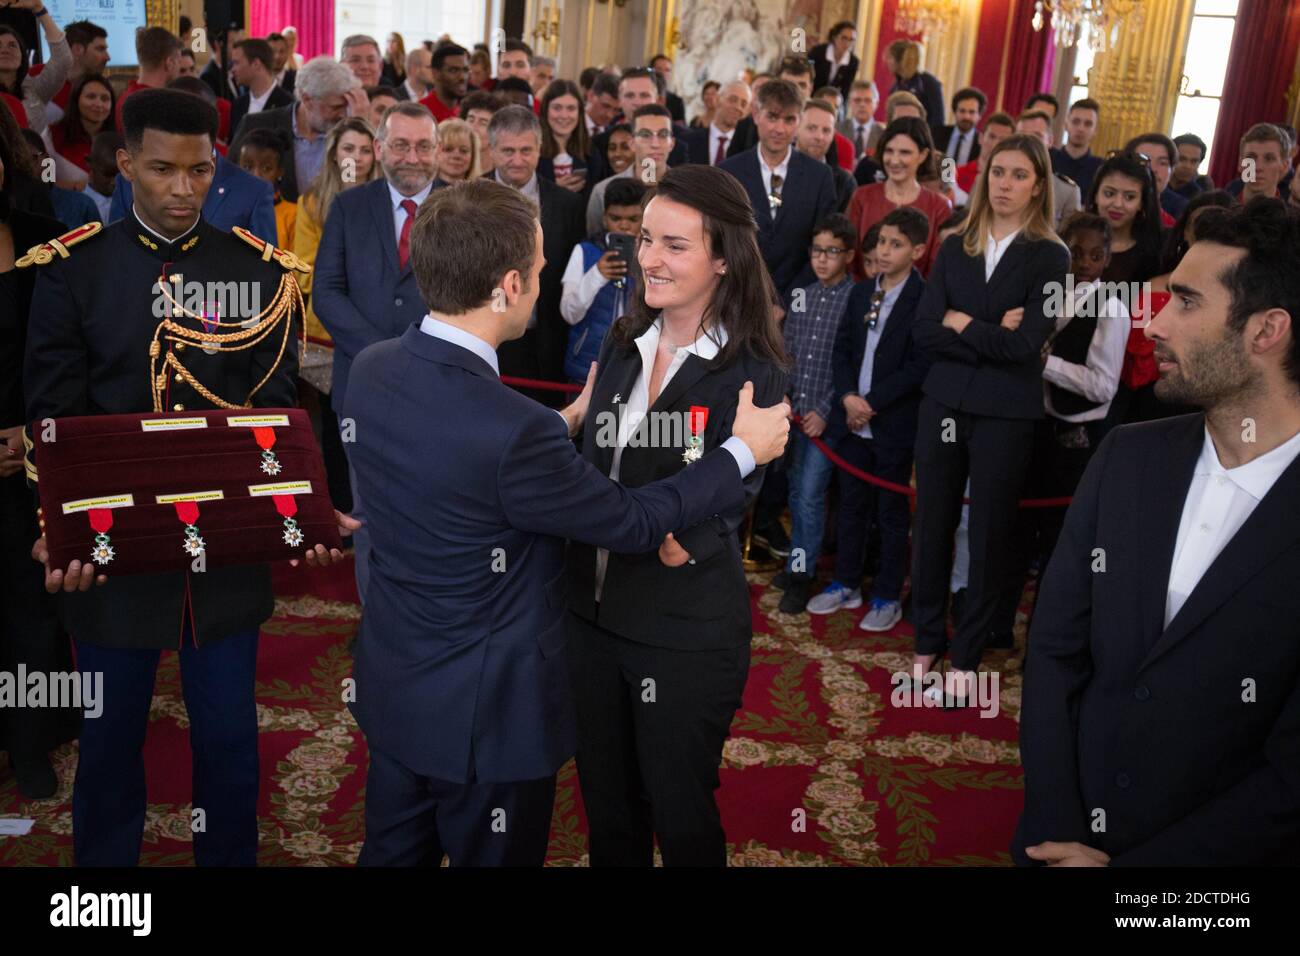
[{"x": 121, "y": 18}]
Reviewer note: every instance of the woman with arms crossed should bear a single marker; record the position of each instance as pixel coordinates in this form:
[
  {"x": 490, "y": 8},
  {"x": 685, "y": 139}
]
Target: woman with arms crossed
[{"x": 659, "y": 643}]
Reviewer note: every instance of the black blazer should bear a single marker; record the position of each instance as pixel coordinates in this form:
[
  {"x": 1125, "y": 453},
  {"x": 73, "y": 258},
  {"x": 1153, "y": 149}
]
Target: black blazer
[
  {"x": 822, "y": 70},
  {"x": 808, "y": 196},
  {"x": 280, "y": 118},
  {"x": 1151, "y": 723},
  {"x": 564, "y": 225},
  {"x": 989, "y": 370},
  {"x": 698, "y": 606},
  {"x": 897, "y": 370},
  {"x": 239, "y": 108},
  {"x": 943, "y": 134},
  {"x": 696, "y": 141},
  {"x": 28, "y": 229},
  {"x": 743, "y": 137},
  {"x": 676, "y": 107}
]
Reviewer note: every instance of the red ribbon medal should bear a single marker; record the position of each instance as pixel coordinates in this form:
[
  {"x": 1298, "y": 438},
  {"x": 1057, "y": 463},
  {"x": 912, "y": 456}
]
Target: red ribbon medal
[
  {"x": 266, "y": 439},
  {"x": 287, "y": 505},
  {"x": 101, "y": 520},
  {"x": 188, "y": 512},
  {"x": 699, "y": 417}
]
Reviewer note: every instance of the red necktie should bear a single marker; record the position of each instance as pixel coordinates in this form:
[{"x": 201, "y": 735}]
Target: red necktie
[
  {"x": 722, "y": 150},
  {"x": 404, "y": 243}
]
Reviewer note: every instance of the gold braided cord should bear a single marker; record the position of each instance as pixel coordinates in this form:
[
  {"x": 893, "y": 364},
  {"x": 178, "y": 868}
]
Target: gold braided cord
[{"x": 287, "y": 299}]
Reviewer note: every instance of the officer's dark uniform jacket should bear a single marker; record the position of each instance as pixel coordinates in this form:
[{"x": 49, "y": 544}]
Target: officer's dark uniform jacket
[{"x": 95, "y": 311}]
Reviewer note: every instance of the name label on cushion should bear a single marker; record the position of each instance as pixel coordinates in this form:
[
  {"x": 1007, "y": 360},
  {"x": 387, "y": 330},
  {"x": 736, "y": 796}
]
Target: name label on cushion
[
  {"x": 86, "y": 504},
  {"x": 280, "y": 488},
  {"x": 190, "y": 496},
  {"x": 259, "y": 421},
  {"x": 171, "y": 424}
]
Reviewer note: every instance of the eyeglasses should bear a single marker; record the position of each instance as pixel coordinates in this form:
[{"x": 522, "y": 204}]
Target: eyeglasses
[
  {"x": 817, "y": 252},
  {"x": 873, "y": 314},
  {"x": 663, "y": 135},
  {"x": 401, "y": 147}
]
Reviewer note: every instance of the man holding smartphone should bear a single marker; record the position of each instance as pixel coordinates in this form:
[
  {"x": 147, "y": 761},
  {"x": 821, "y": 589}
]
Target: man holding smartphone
[{"x": 601, "y": 275}]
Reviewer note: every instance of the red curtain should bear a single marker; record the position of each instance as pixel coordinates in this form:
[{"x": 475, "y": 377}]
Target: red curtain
[
  {"x": 1030, "y": 57},
  {"x": 1260, "y": 63},
  {"x": 314, "y": 20}
]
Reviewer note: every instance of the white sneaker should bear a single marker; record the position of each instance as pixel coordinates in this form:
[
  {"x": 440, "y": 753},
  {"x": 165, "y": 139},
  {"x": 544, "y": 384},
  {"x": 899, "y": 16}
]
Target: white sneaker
[
  {"x": 833, "y": 598},
  {"x": 882, "y": 616}
]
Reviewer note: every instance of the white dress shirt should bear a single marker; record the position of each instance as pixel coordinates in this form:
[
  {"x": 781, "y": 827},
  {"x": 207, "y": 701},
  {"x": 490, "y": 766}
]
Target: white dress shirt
[
  {"x": 1097, "y": 379},
  {"x": 959, "y": 144},
  {"x": 1218, "y": 503},
  {"x": 993, "y": 251},
  {"x": 412, "y": 93},
  {"x": 836, "y": 65},
  {"x": 399, "y": 214},
  {"x": 458, "y": 336},
  {"x": 715, "y": 135},
  {"x": 637, "y": 407},
  {"x": 781, "y": 169},
  {"x": 580, "y": 289},
  {"x": 258, "y": 103}
]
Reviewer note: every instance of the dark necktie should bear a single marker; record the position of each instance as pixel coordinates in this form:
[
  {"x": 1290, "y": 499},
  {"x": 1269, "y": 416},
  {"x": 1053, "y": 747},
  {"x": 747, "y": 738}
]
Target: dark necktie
[
  {"x": 722, "y": 150},
  {"x": 862, "y": 140},
  {"x": 404, "y": 243}
]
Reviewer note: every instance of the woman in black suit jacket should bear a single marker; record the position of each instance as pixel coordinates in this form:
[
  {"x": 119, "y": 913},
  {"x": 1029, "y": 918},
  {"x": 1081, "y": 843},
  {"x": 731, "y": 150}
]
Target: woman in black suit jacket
[
  {"x": 986, "y": 329},
  {"x": 841, "y": 37},
  {"x": 659, "y": 642},
  {"x": 29, "y": 631}
]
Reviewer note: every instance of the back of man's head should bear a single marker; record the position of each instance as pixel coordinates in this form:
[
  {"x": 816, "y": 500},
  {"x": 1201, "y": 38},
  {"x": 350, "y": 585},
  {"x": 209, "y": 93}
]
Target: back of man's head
[{"x": 154, "y": 46}]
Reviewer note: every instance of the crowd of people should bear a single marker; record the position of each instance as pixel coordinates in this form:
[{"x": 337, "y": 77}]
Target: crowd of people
[{"x": 964, "y": 305}]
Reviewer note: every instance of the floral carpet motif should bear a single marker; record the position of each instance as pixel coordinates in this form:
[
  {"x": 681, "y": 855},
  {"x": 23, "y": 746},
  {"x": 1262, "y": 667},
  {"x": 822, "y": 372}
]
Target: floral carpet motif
[{"x": 820, "y": 769}]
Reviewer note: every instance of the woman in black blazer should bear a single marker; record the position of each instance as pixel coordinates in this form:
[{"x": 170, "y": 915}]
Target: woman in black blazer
[
  {"x": 985, "y": 321},
  {"x": 29, "y": 632},
  {"x": 659, "y": 642}
]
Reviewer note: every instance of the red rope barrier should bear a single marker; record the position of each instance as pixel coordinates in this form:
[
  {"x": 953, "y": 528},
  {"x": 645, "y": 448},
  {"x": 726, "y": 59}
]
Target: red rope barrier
[{"x": 825, "y": 449}]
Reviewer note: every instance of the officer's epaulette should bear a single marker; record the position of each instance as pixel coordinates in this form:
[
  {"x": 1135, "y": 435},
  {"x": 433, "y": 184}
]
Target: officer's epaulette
[
  {"x": 270, "y": 252},
  {"x": 1066, "y": 179},
  {"x": 46, "y": 251}
]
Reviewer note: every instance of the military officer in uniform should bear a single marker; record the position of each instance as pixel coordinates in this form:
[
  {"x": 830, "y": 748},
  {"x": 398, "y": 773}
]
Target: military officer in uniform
[
  {"x": 1066, "y": 198},
  {"x": 94, "y": 347}
]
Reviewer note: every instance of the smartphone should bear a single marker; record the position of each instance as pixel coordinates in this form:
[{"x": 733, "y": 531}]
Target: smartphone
[{"x": 625, "y": 247}]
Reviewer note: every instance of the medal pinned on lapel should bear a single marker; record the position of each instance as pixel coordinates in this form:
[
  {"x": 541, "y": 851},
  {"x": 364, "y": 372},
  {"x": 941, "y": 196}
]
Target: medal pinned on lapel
[
  {"x": 210, "y": 325},
  {"x": 699, "y": 417},
  {"x": 287, "y": 506},
  {"x": 188, "y": 512},
  {"x": 266, "y": 441},
  {"x": 101, "y": 521}
]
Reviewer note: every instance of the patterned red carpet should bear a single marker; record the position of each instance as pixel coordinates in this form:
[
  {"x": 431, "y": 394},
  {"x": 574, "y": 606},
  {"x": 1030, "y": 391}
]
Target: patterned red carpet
[{"x": 820, "y": 769}]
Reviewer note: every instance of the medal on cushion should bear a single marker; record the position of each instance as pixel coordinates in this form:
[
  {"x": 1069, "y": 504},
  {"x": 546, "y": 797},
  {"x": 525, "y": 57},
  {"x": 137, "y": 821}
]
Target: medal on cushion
[
  {"x": 188, "y": 512},
  {"x": 266, "y": 439},
  {"x": 699, "y": 417},
  {"x": 287, "y": 505},
  {"x": 101, "y": 520}
]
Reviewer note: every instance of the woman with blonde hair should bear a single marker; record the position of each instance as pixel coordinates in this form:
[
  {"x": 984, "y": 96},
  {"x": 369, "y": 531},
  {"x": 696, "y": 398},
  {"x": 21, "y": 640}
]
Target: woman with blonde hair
[
  {"x": 394, "y": 72},
  {"x": 458, "y": 157},
  {"x": 903, "y": 59},
  {"x": 349, "y": 160},
  {"x": 984, "y": 319}
]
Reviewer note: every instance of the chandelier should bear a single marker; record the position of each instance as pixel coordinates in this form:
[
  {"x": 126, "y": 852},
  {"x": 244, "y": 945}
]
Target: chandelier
[
  {"x": 925, "y": 17},
  {"x": 1099, "y": 20}
]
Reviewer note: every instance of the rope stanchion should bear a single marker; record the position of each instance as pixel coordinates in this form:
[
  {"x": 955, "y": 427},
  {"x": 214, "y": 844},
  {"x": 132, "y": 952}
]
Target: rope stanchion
[{"x": 825, "y": 449}]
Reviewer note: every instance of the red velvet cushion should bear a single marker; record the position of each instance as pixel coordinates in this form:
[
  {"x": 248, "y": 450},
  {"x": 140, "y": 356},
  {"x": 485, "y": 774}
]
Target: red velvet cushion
[{"x": 93, "y": 462}]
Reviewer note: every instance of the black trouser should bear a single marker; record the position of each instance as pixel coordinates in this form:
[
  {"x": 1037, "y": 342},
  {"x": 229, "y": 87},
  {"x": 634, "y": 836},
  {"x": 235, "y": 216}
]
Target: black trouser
[
  {"x": 651, "y": 725},
  {"x": 994, "y": 452},
  {"x": 1054, "y": 472},
  {"x": 860, "y": 502}
]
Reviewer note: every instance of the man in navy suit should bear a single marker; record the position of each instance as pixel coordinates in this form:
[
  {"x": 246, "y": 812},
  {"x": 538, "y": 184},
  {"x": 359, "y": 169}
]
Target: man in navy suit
[
  {"x": 461, "y": 674},
  {"x": 790, "y": 192},
  {"x": 235, "y": 198},
  {"x": 1161, "y": 717},
  {"x": 364, "y": 289}
]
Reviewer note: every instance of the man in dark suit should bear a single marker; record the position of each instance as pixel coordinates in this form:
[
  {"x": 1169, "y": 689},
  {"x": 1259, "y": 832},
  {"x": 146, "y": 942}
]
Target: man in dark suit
[
  {"x": 364, "y": 288},
  {"x": 282, "y": 70},
  {"x": 462, "y": 685},
  {"x": 676, "y": 108},
  {"x": 860, "y": 126},
  {"x": 1161, "y": 719},
  {"x": 235, "y": 198},
  {"x": 252, "y": 67},
  {"x": 325, "y": 92},
  {"x": 834, "y": 63},
  {"x": 515, "y": 139},
  {"x": 961, "y": 141},
  {"x": 214, "y": 73},
  {"x": 790, "y": 192}
]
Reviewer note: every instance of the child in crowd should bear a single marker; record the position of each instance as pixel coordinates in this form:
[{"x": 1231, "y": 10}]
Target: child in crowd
[
  {"x": 597, "y": 285},
  {"x": 869, "y": 242},
  {"x": 260, "y": 154},
  {"x": 813, "y": 316},
  {"x": 878, "y": 371}
]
